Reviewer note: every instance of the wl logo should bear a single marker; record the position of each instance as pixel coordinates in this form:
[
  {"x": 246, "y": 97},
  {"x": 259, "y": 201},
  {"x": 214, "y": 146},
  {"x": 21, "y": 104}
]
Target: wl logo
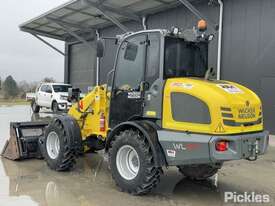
[{"x": 190, "y": 146}]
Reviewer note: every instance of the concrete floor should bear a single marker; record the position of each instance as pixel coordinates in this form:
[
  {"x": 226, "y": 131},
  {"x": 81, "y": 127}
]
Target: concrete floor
[{"x": 31, "y": 182}]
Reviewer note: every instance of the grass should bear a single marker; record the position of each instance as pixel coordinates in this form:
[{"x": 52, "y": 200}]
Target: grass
[{"x": 10, "y": 102}]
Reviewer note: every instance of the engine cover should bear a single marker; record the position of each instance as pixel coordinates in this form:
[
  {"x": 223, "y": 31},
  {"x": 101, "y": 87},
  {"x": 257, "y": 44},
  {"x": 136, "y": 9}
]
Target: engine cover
[{"x": 211, "y": 107}]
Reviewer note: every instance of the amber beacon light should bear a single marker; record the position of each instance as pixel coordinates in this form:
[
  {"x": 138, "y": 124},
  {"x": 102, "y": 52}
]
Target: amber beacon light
[{"x": 202, "y": 25}]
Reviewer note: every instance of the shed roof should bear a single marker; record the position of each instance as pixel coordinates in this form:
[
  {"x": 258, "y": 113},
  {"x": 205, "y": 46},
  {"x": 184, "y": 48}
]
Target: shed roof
[{"x": 79, "y": 16}]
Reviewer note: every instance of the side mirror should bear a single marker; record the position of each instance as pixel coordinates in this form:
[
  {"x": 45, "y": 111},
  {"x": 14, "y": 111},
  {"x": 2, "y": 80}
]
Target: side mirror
[
  {"x": 100, "y": 48},
  {"x": 145, "y": 86}
]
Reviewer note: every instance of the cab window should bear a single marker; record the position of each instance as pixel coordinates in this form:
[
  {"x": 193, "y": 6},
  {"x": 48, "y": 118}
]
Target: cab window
[
  {"x": 131, "y": 60},
  {"x": 185, "y": 59},
  {"x": 49, "y": 89},
  {"x": 43, "y": 88},
  {"x": 153, "y": 58}
]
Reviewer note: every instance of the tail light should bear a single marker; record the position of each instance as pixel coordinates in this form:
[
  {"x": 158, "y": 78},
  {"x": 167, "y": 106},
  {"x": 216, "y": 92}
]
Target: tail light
[
  {"x": 102, "y": 123},
  {"x": 222, "y": 146}
]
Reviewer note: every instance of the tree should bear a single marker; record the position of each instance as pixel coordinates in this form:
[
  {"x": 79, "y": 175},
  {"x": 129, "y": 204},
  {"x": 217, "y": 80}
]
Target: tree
[
  {"x": 48, "y": 80},
  {"x": 10, "y": 87},
  {"x": 24, "y": 86}
]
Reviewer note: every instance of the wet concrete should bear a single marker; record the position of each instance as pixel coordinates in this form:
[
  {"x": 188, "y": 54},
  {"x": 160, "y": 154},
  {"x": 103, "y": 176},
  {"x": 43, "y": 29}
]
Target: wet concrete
[{"x": 31, "y": 183}]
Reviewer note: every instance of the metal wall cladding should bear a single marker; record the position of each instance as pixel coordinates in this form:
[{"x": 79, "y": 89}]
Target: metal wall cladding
[
  {"x": 248, "y": 44},
  {"x": 248, "y": 50},
  {"x": 82, "y": 66}
]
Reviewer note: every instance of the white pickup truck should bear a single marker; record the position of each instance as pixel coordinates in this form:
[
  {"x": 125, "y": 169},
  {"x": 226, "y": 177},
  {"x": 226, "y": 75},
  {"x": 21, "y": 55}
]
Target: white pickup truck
[{"x": 53, "y": 96}]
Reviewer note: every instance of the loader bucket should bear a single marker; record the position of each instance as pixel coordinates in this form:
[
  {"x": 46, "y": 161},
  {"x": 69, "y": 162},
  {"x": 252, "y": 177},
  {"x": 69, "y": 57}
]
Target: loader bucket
[{"x": 24, "y": 140}]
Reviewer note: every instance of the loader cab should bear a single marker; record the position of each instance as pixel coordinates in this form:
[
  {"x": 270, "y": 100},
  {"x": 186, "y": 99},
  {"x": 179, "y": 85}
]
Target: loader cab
[{"x": 145, "y": 60}]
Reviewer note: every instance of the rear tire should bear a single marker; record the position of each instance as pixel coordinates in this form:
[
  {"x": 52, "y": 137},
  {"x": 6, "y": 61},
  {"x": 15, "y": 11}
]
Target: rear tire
[
  {"x": 35, "y": 107},
  {"x": 132, "y": 163},
  {"x": 59, "y": 151},
  {"x": 198, "y": 172}
]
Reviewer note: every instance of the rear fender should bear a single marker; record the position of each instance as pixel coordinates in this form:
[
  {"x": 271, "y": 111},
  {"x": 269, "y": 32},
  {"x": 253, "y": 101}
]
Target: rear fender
[{"x": 149, "y": 130}]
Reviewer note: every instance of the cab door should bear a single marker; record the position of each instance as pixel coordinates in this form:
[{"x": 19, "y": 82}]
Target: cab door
[
  {"x": 41, "y": 96},
  {"x": 127, "y": 96},
  {"x": 48, "y": 96}
]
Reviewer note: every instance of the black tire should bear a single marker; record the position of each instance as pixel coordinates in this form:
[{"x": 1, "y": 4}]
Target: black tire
[
  {"x": 35, "y": 107},
  {"x": 198, "y": 172},
  {"x": 66, "y": 158},
  {"x": 55, "y": 108},
  {"x": 148, "y": 176}
]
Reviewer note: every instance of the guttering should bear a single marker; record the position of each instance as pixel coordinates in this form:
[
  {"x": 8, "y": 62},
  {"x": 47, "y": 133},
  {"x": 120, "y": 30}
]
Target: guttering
[
  {"x": 220, "y": 40},
  {"x": 97, "y": 60}
]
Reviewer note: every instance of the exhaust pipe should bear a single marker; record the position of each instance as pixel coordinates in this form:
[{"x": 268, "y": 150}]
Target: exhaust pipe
[{"x": 25, "y": 140}]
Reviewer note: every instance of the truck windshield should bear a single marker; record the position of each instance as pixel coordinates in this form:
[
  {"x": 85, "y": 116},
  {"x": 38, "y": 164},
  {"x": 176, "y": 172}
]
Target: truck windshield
[
  {"x": 185, "y": 59},
  {"x": 61, "y": 88}
]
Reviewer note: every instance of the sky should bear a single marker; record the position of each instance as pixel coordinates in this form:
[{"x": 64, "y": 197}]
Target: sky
[{"x": 22, "y": 55}]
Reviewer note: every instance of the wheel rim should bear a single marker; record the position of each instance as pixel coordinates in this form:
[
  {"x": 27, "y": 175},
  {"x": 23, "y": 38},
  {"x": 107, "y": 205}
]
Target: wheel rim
[
  {"x": 127, "y": 161},
  {"x": 53, "y": 145}
]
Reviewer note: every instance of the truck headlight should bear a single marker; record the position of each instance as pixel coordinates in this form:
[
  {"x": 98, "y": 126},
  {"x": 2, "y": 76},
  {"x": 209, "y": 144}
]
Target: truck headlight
[{"x": 65, "y": 98}]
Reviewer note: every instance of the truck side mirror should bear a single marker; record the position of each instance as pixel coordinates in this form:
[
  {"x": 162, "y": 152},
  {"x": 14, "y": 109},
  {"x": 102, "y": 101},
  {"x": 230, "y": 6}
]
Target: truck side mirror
[
  {"x": 100, "y": 48},
  {"x": 144, "y": 86}
]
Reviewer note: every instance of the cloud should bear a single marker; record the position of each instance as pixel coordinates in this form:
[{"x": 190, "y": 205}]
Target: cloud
[{"x": 21, "y": 55}]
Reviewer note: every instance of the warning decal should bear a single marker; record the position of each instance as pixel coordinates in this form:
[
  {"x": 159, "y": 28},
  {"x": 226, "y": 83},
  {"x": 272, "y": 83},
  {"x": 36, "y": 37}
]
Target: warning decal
[
  {"x": 231, "y": 89},
  {"x": 220, "y": 128},
  {"x": 171, "y": 153},
  {"x": 182, "y": 85}
]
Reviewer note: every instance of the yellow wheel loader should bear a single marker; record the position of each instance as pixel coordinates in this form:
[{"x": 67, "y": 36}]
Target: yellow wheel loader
[{"x": 158, "y": 109}]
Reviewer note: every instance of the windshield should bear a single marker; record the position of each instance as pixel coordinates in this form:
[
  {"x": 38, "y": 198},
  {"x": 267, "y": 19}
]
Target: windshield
[
  {"x": 61, "y": 88},
  {"x": 185, "y": 59}
]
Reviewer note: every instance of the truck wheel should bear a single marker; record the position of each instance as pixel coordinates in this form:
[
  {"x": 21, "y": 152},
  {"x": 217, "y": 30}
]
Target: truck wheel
[
  {"x": 35, "y": 107},
  {"x": 55, "y": 108},
  {"x": 198, "y": 172},
  {"x": 58, "y": 147},
  {"x": 132, "y": 163}
]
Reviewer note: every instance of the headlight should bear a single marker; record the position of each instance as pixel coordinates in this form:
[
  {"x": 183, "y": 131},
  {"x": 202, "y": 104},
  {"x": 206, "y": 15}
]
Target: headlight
[{"x": 65, "y": 98}]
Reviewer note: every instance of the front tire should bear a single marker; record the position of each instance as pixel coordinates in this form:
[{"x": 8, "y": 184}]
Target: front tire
[
  {"x": 198, "y": 172},
  {"x": 55, "y": 108},
  {"x": 132, "y": 163},
  {"x": 35, "y": 107},
  {"x": 58, "y": 147}
]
